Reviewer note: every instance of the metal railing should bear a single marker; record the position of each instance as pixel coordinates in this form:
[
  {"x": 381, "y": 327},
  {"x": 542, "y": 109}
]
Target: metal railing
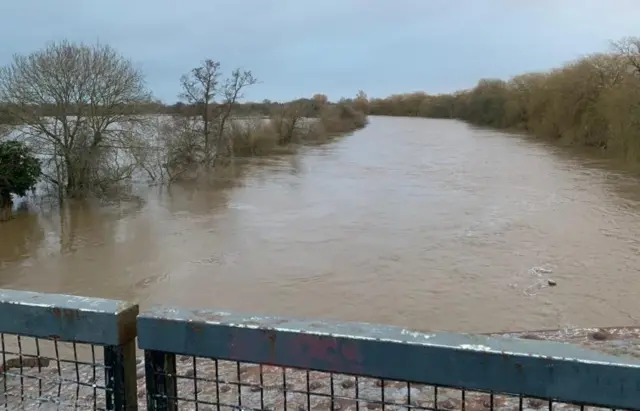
[
  {"x": 204, "y": 360},
  {"x": 275, "y": 363},
  {"x": 67, "y": 352}
]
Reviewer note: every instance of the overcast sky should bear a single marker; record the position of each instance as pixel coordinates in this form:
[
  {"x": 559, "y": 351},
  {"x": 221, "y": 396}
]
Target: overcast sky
[{"x": 300, "y": 47}]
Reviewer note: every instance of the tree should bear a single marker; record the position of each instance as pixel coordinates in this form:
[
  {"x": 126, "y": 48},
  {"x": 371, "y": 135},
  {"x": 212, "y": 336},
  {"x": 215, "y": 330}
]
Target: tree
[
  {"x": 215, "y": 99},
  {"x": 19, "y": 170},
  {"x": 361, "y": 103},
  {"x": 199, "y": 88},
  {"x": 320, "y": 99},
  {"x": 592, "y": 101},
  {"x": 287, "y": 118},
  {"x": 629, "y": 49},
  {"x": 73, "y": 103}
]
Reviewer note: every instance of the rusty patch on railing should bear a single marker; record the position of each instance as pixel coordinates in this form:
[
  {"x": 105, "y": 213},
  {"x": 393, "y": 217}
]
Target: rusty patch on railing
[
  {"x": 197, "y": 328},
  {"x": 65, "y": 313},
  {"x": 336, "y": 353},
  {"x": 306, "y": 350},
  {"x": 272, "y": 336}
]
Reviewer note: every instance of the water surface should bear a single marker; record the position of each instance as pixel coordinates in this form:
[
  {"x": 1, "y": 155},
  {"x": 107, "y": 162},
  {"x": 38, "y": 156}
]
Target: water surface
[{"x": 423, "y": 223}]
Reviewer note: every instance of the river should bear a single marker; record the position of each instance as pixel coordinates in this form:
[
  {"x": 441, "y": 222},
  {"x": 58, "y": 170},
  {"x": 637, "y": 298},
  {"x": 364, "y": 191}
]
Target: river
[{"x": 429, "y": 224}]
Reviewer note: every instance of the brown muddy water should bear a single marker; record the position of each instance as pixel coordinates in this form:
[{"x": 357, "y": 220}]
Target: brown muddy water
[{"x": 429, "y": 224}]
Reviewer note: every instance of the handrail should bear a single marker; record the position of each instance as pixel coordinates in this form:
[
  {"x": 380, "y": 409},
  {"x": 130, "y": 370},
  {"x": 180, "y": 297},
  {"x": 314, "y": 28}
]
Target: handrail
[
  {"x": 541, "y": 369},
  {"x": 67, "y": 317}
]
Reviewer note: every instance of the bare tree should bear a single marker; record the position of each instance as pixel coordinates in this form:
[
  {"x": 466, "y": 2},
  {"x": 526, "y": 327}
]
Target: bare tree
[
  {"x": 215, "y": 99},
  {"x": 629, "y": 48},
  {"x": 230, "y": 93},
  {"x": 71, "y": 101},
  {"x": 361, "y": 102},
  {"x": 287, "y": 120},
  {"x": 199, "y": 88}
]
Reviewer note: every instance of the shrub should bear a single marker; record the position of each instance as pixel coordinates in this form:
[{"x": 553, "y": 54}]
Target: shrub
[
  {"x": 19, "y": 170},
  {"x": 251, "y": 138}
]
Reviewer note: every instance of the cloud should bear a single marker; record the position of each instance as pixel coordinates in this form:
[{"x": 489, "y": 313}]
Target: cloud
[{"x": 299, "y": 47}]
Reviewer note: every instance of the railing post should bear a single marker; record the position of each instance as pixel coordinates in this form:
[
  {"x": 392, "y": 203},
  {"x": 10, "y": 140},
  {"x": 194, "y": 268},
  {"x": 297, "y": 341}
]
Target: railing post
[
  {"x": 160, "y": 373},
  {"x": 66, "y": 318},
  {"x": 120, "y": 376}
]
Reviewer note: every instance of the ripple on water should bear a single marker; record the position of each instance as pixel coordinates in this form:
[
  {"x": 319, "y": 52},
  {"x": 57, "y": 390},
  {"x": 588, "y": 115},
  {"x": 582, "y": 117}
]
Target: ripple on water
[{"x": 422, "y": 223}]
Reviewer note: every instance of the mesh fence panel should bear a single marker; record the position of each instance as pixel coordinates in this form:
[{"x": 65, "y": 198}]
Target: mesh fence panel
[
  {"x": 47, "y": 374},
  {"x": 209, "y": 384}
]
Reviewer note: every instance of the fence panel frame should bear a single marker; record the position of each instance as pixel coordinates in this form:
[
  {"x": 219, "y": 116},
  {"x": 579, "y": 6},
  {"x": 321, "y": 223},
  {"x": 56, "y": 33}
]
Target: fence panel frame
[
  {"x": 540, "y": 369},
  {"x": 68, "y": 318},
  {"x": 160, "y": 371}
]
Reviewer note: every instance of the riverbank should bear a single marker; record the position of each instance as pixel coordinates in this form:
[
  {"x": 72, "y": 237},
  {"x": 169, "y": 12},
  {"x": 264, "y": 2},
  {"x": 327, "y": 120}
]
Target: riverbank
[
  {"x": 593, "y": 101},
  {"x": 263, "y": 386},
  {"x": 167, "y": 151}
]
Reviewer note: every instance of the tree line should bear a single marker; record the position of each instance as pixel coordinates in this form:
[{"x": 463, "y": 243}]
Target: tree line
[
  {"x": 82, "y": 113},
  {"x": 312, "y": 108},
  {"x": 592, "y": 101}
]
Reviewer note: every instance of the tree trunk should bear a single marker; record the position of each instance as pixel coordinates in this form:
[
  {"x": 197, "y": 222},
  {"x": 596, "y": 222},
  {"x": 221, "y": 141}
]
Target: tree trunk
[
  {"x": 77, "y": 176},
  {"x": 75, "y": 181},
  {"x": 207, "y": 132},
  {"x": 5, "y": 206}
]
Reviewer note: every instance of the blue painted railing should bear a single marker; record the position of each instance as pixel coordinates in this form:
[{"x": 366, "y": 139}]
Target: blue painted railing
[
  {"x": 172, "y": 338},
  {"x": 63, "y": 318},
  {"x": 539, "y": 369}
]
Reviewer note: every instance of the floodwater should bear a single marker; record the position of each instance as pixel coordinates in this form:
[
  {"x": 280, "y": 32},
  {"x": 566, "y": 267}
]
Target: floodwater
[{"x": 429, "y": 224}]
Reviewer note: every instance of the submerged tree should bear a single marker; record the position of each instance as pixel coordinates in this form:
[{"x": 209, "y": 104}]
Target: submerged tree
[
  {"x": 215, "y": 98},
  {"x": 19, "y": 170},
  {"x": 199, "y": 88},
  {"x": 73, "y": 103}
]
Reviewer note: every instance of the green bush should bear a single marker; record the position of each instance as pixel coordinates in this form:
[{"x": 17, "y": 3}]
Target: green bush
[{"x": 19, "y": 170}]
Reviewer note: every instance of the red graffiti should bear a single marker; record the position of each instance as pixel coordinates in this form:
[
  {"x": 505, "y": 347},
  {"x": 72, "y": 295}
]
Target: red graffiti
[
  {"x": 313, "y": 351},
  {"x": 323, "y": 353},
  {"x": 351, "y": 352},
  {"x": 243, "y": 348}
]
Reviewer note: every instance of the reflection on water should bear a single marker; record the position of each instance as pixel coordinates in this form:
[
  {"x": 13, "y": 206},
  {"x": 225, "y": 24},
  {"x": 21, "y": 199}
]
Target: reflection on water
[
  {"x": 20, "y": 236},
  {"x": 424, "y": 223}
]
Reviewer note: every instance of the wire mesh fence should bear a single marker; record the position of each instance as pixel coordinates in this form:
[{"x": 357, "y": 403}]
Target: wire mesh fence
[
  {"x": 63, "y": 352},
  {"x": 75, "y": 353},
  {"x": 201, "y": 360},
  {"x": 210, "y": 384},
  {"x": 47, "y": 374}
]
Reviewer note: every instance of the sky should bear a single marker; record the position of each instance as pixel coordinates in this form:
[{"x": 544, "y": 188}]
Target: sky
[{"x": 297, "y": 48}]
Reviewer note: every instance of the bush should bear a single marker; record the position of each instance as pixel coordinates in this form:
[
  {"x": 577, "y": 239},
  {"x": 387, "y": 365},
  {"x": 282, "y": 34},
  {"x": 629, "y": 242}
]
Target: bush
[
  {"x": 252, "y": 138},
  {"x": 19, "y": 170},
  {"x": 342, "y": 118},
  {"x": 288, "y": 126}
]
